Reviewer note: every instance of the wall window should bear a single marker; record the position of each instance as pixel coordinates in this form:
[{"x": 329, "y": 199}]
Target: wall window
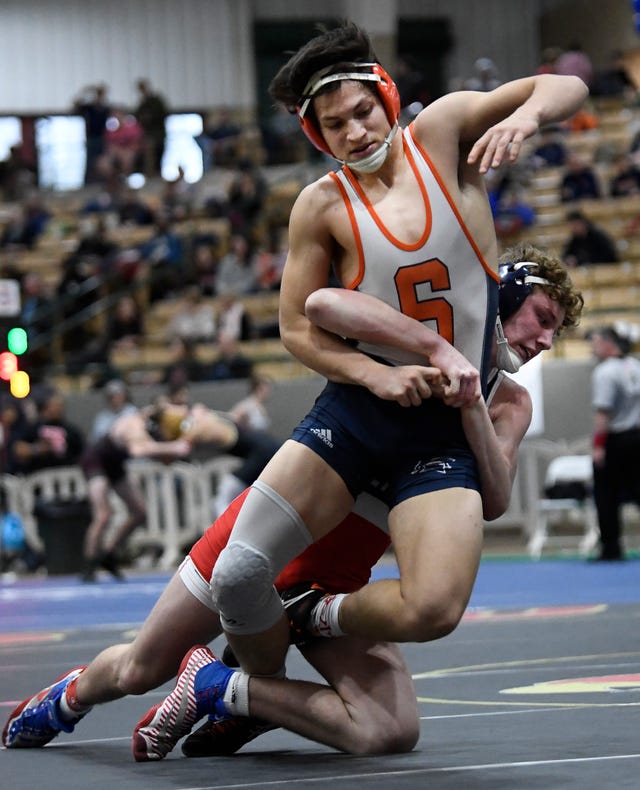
[{"x": 60, "y": 141}]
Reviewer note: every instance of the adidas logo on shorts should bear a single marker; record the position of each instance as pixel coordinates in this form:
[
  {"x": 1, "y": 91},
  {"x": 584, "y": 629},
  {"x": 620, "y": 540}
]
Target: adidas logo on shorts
[{"x": 324, "y": 434}]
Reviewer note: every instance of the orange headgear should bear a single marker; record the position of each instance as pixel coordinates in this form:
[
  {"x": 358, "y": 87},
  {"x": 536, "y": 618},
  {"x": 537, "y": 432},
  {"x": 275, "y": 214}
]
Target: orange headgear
[{"x": 387, "y": 91}]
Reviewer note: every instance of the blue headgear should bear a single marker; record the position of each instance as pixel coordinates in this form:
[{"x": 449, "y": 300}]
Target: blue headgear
[{"x": 516, "y": 284}]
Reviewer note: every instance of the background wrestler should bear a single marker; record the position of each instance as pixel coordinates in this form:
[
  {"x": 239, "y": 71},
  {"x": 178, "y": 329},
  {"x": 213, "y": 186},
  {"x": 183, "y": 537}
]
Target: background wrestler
[{"x": 104, "y": 466}]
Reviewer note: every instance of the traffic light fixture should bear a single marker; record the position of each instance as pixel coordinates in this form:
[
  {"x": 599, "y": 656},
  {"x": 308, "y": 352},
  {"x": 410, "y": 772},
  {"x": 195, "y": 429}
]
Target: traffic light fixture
[{"x": 16, "y": 340}]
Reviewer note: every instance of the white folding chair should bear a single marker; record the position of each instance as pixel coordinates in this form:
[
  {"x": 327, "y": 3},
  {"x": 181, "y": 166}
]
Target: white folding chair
[{"x": 574, "y": 473}]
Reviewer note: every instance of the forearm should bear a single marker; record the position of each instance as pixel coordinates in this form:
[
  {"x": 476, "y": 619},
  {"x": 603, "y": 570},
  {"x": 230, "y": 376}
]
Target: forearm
[
  {"x": 329, "y": 355},
  {"x": 152, "y": 449},
  {"x": 495, "y": 467},
  {"x": 363, "y": 317},
  {"x": 554, "y": 98}
]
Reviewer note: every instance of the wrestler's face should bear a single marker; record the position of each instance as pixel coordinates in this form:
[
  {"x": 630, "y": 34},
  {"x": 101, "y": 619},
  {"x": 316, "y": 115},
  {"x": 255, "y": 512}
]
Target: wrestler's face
[
  {"x": 352, "y": 120},
  {"x": 532, "y": 328}
]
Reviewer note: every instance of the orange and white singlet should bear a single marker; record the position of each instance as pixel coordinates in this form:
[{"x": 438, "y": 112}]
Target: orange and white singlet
[{"x": 442, "y": 280}]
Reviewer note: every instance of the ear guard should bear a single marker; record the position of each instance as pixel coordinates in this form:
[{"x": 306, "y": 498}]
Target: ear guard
[
  {"x": 516, "y": 284},
  {"x": 386, "y": 87}
]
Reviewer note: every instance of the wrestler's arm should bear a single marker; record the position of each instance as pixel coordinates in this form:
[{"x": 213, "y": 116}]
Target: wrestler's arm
[
  {"x": 206, "y": 426},
  {"x": 140, "y": 445},
  {"x": 494, "y": 435},
  {"x": 495, "y": 123},
  {"x": 311, "y": 249},
  {"x": 363, "y": 317}
]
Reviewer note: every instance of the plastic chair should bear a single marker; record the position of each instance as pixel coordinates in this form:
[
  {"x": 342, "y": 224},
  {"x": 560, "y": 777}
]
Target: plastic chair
[{"x": 568, "y": 487}]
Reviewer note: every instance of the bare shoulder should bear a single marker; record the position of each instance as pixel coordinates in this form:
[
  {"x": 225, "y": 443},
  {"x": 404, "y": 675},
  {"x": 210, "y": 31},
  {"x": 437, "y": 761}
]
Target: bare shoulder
[
  {"x": 442, "y": 116},
  {"x": 319, "y": 196},
  {"x": 513, "y": 395}
]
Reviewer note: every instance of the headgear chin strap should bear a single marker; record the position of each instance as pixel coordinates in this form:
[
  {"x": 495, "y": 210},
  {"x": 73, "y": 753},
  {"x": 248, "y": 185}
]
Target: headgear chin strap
[
  {"x": 375, "y": 160},
  {"x": 516, "y": 284},
  {"x": 506, "y": 358}
]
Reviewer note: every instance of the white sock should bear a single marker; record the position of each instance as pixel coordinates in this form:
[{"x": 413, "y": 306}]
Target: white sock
[
  {"x": 324, "y": 616},
  {"x": 236, "y": 695}
]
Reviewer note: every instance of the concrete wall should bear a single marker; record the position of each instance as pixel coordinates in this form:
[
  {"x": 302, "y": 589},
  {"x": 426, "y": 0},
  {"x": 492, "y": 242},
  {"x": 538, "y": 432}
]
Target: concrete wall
[{"x": 565, "y": 395}]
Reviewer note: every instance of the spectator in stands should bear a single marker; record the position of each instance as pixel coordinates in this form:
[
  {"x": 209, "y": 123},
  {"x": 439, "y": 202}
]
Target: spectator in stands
[
  {"x": 51, "y": 440},
  {"x": 246, "y": 198},
  {"x": 35, "y": 318},
  {"x": 95, "y": 242},
  {"x": 133, "y": 209},
  {"x": 585, "y": 120},
  {"x": 13, "y": 423},
  {"x": 34, "y": 300},
  {"x": 579, "y": 181},
  {"x": 233, "y": 322},
  {"x": 552, "y": 149},
  {"x": 626, "y": 177},
  {"x": 185, "y": 366},
  {"x": 575, "y": 61},
  {"x": 236, "y": 272},
  {"x": 269, "y": 263},
  {"x": 587, "y": 243},
  {"x": 613, "y": 79},
  {"x": 163, "y": 256},
  {"x": 204, "y": 266},
  {"x": 123, "y": 142},
  {"x": 194, "y": 320},
  {"x": 79, "y": 287},
  {"x": 548, "y": 58},
  {"x": 512, "y": 213},
  {"x": 485, "y": 76},
  {"x": 117, "y": 402},
  {"x": 411, "y": 82},
  {"x": 18, "y": 174},
  {"x": 93, "y": 106},
  {"x": 230, "y": 362},
  {"x": 219, "y": 140},
  {"x": 151, "y": 114},
  {"x": 26, "y": 224},
  {"x": 125, "y": 325},
  {"x": 177, "y": 196},
  {"x": 283, "y": 139},
  {"x": 251, "y": 412}
]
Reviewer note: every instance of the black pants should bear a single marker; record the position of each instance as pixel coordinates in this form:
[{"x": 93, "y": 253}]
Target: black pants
[{"x": 615, "y": 482}]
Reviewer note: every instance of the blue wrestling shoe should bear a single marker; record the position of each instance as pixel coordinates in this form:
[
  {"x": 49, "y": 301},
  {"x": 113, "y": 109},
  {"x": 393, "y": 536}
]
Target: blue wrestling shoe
[
  {"x": 196, "y": 693},
  {"x": 37, "y": 720}
]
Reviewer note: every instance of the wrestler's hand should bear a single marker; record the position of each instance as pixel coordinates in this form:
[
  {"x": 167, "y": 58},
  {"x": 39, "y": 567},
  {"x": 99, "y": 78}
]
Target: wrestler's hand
[
  {"x": 408, "y": 385},
  {"x": 502, "y": 142},
  {"x": 461, "y": 386}
]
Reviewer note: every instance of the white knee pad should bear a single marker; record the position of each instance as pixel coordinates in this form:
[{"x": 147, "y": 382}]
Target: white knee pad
[{"x": 267, "y": 535}]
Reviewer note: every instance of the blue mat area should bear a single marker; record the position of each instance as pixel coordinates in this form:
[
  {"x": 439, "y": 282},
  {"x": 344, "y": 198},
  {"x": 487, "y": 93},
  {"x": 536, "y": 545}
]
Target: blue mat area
[
  {"x": 61, "y": 602},
  {"x": 507, "y": 584}
]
